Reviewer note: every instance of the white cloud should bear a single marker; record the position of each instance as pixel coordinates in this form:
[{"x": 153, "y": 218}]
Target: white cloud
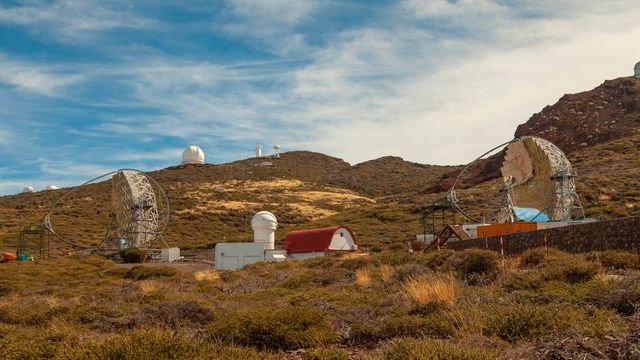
[
  {"x": 434, "y": 8},
  {"x": 35, "y": 78},
  {"x": 273, "y": 11},
  {"x": 405, "y": 92},
  {"x": 72, "y": 19},
  {"x": 272, "y": 23}
]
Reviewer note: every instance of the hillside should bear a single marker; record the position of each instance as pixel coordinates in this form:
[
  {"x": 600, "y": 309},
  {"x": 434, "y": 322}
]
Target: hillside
[
  {"x": 379, "y": 199},
  {"x": 214, "y": 203}
]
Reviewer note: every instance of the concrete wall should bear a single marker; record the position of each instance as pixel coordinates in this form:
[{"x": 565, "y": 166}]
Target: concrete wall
[
  {"x": 237, "y": 255},
  {"x": 621, "y": 234}
]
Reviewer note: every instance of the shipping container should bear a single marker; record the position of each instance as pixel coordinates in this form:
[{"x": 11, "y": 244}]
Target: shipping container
[{"x": 505, "y": 229}]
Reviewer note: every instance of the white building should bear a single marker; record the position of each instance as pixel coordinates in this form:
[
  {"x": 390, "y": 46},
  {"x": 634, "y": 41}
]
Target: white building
[
  {"x": 193, "y": 155},
  {"x": 237, "y": 255}
]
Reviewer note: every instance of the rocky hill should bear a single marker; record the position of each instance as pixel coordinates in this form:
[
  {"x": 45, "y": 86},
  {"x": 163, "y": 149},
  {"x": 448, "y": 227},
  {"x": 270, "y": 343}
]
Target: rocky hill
[
  {"x": 378, "y": 199},
  {"x": 577, "y": 121}
]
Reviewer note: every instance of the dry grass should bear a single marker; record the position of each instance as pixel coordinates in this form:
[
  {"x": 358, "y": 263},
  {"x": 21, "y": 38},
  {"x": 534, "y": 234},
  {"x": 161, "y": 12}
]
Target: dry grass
[
  {"x": 432, "y": 288},
  {"x": 206, "y": 275},
  {"x": 386, "y": 273},
  {"x": 363, "y": 277}
]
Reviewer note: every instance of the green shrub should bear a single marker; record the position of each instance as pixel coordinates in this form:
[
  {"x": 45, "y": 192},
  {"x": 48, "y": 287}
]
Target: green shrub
[
  {"x": 326, "y": 354},
  {"x": 133, "y": 255},
  {"x": 621, "y": 296},
  {"x": 528, "y": 322},
  {"x": 437, "y": 325},
  {"x": 523, "y": 281},
  {"x": 619, "y": 259},
  {"x": 415, "y": 349},
  {"x": 141, "y": 272},
  {"x": 288, "y": 328},
  {"x": 571, "y": 271},
  {"x": 394, "y": 257},
  {"x": 429, "y": 308},
  {"x": 533, "y": 257},
  {"x": 159, "y": 344},
  {"x": 173, "y": 314},
  {"x": 475, "y": 266}
]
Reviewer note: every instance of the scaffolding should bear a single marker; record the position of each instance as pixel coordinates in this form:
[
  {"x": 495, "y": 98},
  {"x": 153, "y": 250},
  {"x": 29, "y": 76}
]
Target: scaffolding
[{"x": 26, "y": 248}]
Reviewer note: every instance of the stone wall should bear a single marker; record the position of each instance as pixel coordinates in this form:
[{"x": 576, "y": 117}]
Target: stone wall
[{"x": 623, "y": 233}]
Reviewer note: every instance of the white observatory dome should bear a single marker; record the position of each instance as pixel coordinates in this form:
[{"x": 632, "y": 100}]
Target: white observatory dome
[
  {"x": 193, "y": 155},
  {"x": 28, "y": 189},
  {"x": 636, "y": 70},
  {"x": 51, "y": 187},
  {"x": 264, "y": 225}
]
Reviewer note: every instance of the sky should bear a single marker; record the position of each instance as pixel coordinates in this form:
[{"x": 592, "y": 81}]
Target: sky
[{"x": 90, "y": 86}]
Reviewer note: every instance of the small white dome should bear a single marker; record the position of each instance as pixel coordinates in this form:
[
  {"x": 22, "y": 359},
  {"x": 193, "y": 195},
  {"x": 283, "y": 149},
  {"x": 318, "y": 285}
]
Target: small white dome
[
  {"x": 193, "y": 155},
  {"x": 276, "y": 147},
  {"x": 636, "y": 70},
  {"x": 28, "y": 189},
  {"x": 264, "y": 219},
  {"x": 51, "y": 187}
]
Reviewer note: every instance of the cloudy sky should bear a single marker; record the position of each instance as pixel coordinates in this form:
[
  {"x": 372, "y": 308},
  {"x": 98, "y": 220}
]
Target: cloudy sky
[{"x": 89, "y": 86}]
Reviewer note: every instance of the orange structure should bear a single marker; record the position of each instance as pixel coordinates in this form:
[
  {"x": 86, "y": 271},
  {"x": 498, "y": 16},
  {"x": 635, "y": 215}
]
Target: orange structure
[
  {"x": 7, "y": 256},
  {"x": 506, "y": 229}
]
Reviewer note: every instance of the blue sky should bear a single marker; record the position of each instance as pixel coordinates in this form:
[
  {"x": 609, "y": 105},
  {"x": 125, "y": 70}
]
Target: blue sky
[{"x": 87, "y": 86}]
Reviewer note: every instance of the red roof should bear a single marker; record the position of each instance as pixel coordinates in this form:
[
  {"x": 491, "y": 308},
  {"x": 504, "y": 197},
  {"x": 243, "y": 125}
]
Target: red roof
[{"x": 314, "y": 240}]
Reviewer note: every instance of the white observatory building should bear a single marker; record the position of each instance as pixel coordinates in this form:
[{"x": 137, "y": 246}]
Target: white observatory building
[
  {"x": 636, "y": 70},
  {"x": 28, "y": 189},
  {"x": 192, "y": 155},
  {"x": 239, "y": 254},
  {"x": 51, "y": 187},
  {"x": 264, "y": 225}
]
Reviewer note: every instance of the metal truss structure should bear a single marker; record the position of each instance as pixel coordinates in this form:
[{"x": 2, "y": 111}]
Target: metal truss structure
[
  {"x": 135, "y": 209},
  {"x": 536, "y": 173},
  {"x": 139, "y": 212}
]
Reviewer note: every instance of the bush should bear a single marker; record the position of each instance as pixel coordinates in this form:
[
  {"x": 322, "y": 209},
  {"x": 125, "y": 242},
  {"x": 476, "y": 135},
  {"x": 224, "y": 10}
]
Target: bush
[
  {"x": 435, "y": 324},
  {"x": 475, "y": 266},
  {"x": 133, "y": 255},
  {"x": 146, "y": 272},
  {"x": 528, "y": 322},
  {"x": 575, "y": 271},
  {"x": 622, "y": 296},
  {"x": 533, "y": 257},
  {"x": 289, "y": 328},
  {"x": 158, "y": 344},
  {"x": 413, "y": 349},
  {"x": 174, "y": 314},
  {"x": 619, "y": 259},
  {"x": 326, "y": 354}
]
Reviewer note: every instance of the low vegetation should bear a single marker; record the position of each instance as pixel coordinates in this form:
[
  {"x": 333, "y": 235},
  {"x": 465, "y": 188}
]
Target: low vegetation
[{"x": 387, "y": 305}]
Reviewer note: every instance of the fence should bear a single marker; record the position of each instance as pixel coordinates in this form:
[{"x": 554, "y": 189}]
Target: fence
[{"x": 622, "y": 234}]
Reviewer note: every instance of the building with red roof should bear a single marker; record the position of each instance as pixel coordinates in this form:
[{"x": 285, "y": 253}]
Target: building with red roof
[{"x": 304, "y": 244}]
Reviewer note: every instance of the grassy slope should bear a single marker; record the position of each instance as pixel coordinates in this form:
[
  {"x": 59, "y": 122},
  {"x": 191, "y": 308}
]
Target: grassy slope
[{"x": 391, "y": 305}]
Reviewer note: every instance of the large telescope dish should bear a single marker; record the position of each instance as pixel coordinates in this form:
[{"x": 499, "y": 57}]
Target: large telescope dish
[
  {"x": 538, "y": 183},
  {"x": 139, "y": 212}
]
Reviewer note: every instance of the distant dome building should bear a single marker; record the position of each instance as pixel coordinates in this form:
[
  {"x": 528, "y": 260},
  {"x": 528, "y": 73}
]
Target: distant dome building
[
  {"x": 28, "y": 189},
  {"x": 636, "y": 70},
  {"x": 192, "y": 155},
  {"x": 51, "y": 187}
]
